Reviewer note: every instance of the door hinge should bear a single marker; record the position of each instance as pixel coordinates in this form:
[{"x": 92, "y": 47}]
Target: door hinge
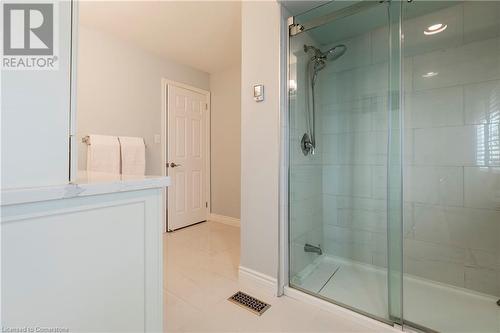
[
  {"x": 206, "y": 204},
  {"x": 206, "y": 106}
]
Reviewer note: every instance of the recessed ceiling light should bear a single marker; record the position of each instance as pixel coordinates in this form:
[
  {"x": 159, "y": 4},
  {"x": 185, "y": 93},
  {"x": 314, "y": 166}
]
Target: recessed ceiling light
[
  {"x": 430, "y": 74},
  {"x": 435, "y": 29}
]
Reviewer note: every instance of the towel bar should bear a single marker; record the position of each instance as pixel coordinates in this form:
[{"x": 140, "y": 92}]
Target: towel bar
[{"x": 86, "y": 140}]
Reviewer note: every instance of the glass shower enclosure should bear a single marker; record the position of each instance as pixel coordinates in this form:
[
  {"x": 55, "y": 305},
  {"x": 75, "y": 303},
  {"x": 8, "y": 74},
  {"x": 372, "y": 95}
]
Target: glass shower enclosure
[{"x": 394, "y": 160}]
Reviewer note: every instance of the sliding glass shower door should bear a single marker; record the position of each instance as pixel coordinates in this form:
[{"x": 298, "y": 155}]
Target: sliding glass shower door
[
  {"x": 394, "y": 160},
  {"x": 451, "y": 54},
  {"x": 344, "y": 99}
]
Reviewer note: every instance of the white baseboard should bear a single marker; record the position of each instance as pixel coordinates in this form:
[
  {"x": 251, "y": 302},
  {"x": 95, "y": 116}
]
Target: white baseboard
[
  {"x": 256, "y": 280},
  {"x": 336, "y": 309},
  {"x": 224, "y": 219}
]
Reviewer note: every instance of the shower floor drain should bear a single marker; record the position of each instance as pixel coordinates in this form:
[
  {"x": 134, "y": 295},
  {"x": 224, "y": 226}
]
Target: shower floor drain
[{"x": 250, "y": 303}]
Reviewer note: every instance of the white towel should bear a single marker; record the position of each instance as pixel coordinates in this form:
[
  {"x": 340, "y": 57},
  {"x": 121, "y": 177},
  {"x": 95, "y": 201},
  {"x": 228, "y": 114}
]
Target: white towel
[
  {"x": 103, "y": 154},
  {"x": 133, "y": 153}
]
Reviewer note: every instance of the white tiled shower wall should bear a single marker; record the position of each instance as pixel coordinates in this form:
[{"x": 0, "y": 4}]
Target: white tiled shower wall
[
  {"x": 353, "y": 107},
  {"x": 451, "y": 148}
]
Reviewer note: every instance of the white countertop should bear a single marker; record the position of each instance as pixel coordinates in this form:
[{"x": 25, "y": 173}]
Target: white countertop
[{"x": 87, "y": 184}]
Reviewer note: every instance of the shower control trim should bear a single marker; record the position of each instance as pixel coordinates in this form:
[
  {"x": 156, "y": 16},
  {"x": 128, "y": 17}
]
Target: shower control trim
[{"x": 306, "y": 145}]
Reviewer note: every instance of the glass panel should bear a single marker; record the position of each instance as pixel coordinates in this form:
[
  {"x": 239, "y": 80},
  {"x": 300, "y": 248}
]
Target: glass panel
[
  {"x": 452, "y": 165},
  {"x": 339, "y": 88}
]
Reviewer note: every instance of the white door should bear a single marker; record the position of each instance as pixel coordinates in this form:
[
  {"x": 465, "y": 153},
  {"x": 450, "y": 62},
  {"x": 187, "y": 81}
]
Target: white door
[{"x": 187, "y": 162}]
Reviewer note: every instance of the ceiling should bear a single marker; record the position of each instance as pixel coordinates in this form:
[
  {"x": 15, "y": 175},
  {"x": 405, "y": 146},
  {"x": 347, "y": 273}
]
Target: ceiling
[
  {"x": 202, "y": 34},
  {"x": 296, "y": 7}
]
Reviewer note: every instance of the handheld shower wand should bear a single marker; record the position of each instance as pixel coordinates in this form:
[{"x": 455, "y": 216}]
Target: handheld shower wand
[{"x": 316, "y": 63}]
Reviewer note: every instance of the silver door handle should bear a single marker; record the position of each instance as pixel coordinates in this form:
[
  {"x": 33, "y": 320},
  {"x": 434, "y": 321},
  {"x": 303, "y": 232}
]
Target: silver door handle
[{"x": 173, "y": 165}]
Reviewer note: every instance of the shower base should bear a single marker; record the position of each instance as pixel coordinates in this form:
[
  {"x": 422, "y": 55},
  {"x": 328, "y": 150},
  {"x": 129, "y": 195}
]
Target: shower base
[{"x": 364, "y": 287}]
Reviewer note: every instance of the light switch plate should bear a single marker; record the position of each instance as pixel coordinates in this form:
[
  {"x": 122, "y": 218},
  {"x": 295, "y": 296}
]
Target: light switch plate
[
  {"x": 258, "y": 92},
  {"x": 157, "y": 138}
]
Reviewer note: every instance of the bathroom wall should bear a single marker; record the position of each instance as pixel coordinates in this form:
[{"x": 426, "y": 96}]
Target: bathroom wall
[
  {"x": 119, "y": 91},
  {"x": 260, "y": 134},
  {"x": 225, "y": 142},
  {"x": 451, "y": 147}
]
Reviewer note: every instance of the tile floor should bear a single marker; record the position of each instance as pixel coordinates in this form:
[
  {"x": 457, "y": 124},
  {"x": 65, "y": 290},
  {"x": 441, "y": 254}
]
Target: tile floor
[{"x": 201, "y": 272}]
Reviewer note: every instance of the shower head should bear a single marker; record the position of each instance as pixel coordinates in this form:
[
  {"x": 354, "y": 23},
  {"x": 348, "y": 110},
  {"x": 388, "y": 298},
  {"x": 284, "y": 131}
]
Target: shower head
[
  {"x": 320, "y": 58},
  {"x": 332, "y": 54},
  {"x": 336, "y": 52}
]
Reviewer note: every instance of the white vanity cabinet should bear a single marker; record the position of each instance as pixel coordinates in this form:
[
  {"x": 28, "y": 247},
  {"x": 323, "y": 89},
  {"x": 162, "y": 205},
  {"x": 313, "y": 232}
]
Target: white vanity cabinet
[{"x": 88, "y": 260}]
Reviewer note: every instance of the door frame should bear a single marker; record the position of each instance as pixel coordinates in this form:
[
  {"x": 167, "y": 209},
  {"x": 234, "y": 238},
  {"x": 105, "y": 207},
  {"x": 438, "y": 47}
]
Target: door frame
[{"x": 165, "y": 83}]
